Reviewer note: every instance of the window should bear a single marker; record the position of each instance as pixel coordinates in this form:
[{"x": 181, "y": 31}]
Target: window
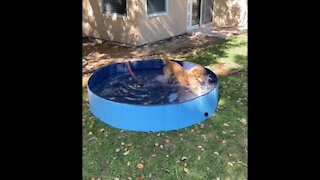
[
  {"x": 156, "y": 7},
  {"x": 110, "y": 7}
]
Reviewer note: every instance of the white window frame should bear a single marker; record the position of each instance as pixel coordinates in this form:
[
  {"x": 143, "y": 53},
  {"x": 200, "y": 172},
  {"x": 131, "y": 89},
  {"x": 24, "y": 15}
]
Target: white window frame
[
  {"x": 156, "y": 14},
  {"x": 113, "y": 14}
]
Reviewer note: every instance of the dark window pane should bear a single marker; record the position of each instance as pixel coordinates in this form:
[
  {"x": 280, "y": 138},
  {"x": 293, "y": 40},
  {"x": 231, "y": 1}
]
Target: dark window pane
[
  {"x": 156, "y": 6},
  {"x": 115, "y": 6}
]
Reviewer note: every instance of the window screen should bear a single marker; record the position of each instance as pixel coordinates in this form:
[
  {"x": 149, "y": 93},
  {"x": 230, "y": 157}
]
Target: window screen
[
  {"x": 156, "y": 6},
  {"x": 115, "y": 6}
]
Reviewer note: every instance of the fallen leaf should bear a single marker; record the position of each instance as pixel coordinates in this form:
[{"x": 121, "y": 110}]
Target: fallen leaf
[
  {"x": 158, "y": 134},
  {"x": 167, "y": 170},
  {"x": 140, "y": 166},
  {"x": 126, "y": 153},
  {"x": 224, "y": 141},
  {"x": 101, "y": 130},
  {"x": 199, "y": 157},
  {"x": 128, "y": 163},
  {"x": 199, "y": 147},
  {"x": 218, "y": 178},
  {"x": 243, "y": 121},
  {"x": 230, "y": 155},
  {"x": 223, "y": 132},
  {"x": 240, "y": 162},
  {"x": 201, "y": 126},
  {"x": 156, "y": 144},
  {"x": 153, "y": 155},
  {"x": 186, "y": 170},
  {"x": 216, "y": 153},
  {"x": 161, "y": 146},
  {"x": 91, "y": 126},
  {"x": 117, "y": 150},
  {"x": 122, "y": 143},
  {"x": 168, "y": 141},
  {"x": 196, "y": 128},
  {"x": 92, "y": 178},
  {"x": 230, "y": 164},
  {"x": 184, "y": 158},
  {"x": 226, "y": 124},
  {"x": 204, "y": 136},
  {"x": 116, "y": 178},
  {"x": 90, "y": 133}
]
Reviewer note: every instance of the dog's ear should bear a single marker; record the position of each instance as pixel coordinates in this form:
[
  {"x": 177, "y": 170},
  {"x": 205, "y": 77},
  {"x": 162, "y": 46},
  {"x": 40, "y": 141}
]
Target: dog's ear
[{"x": 196, "y": 71}]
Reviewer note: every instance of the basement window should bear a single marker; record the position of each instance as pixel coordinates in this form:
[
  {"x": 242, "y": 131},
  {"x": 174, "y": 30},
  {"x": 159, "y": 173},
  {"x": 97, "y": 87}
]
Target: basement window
[
  {"x": 110, "y": 7},
  {"x": 157, "y": 7}
]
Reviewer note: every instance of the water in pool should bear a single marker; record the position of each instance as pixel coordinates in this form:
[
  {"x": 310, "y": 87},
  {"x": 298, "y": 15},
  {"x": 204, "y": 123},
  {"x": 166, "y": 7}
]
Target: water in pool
[{"x": 151, "y": 90}]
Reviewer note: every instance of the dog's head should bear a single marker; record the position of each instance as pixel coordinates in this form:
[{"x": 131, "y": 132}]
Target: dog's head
[{"x": 198, "y": 72}]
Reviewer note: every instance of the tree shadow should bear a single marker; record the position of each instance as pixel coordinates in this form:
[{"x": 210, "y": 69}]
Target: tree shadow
[
  {"x": 210, "y": 54},
  {"x": 241, "y": 59}
]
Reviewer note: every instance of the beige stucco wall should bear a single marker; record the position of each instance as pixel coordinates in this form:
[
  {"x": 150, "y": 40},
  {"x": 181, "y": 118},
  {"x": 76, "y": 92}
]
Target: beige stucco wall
[
  {"x": 164, "y": 26},
  {"x": 114, "y": 28},
  {"x": 229, "y": 12},
  {"x": 138, "y": 29}
]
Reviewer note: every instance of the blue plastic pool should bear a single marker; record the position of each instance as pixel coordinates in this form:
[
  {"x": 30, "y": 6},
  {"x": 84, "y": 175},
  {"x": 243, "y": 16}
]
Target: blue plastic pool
[{"x": 149, "y": 104}]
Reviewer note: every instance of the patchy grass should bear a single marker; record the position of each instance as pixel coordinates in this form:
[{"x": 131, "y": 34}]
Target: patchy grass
[{"x": 215, "y": 148}]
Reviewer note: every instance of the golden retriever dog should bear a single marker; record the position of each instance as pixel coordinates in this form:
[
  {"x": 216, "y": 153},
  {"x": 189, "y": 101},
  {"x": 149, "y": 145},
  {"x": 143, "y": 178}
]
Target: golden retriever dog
[{"x": 191, "y": 79}]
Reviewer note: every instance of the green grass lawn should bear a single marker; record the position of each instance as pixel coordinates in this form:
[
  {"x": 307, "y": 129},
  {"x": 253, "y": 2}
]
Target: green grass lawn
[{"x": 214, "y": 149}]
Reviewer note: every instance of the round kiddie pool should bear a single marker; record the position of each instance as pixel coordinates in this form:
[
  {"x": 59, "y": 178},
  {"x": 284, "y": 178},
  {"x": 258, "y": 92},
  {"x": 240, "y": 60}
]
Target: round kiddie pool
[{"x": 133, "y": 96}]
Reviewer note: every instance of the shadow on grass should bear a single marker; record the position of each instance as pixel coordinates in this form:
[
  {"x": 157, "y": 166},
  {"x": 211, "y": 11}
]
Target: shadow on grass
[{"x": 210, "y": 54}]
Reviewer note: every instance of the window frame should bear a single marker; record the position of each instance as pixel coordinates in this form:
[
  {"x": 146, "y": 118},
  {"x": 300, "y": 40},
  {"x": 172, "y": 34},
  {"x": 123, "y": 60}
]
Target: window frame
[
  {"x": 104, "y": 12},
  {"x": 157, "y": 13}
]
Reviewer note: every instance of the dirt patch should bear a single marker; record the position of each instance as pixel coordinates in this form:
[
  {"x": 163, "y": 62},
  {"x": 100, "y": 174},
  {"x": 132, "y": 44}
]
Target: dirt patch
[
  {"x": 110, "y": 53},
  {"x": 97, "y": 53}
]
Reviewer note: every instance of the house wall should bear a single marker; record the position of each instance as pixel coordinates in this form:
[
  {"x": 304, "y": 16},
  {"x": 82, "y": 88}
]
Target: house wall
[
  {"x": 113, "y": 28},
  {"x": 164, "y": 26},
  {"x": 138, "y": 29},
  {"x": 229, "y": 12}
]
